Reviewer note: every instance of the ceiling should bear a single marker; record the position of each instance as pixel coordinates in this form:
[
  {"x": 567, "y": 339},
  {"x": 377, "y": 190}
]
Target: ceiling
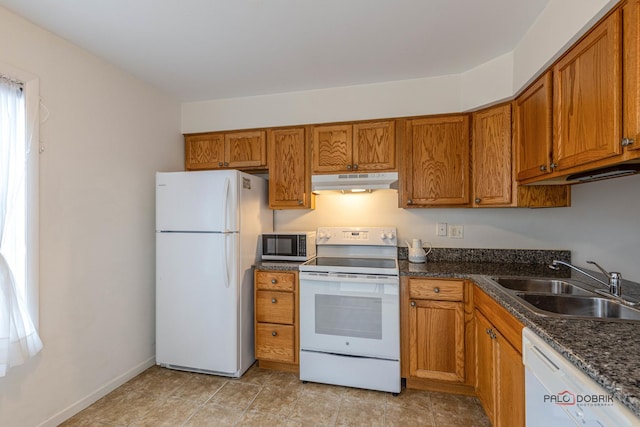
[{"x": 213, "y": 49}]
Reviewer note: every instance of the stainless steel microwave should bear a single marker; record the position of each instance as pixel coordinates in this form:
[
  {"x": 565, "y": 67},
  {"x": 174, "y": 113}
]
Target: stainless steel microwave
[{"x": 289, "y": 246}]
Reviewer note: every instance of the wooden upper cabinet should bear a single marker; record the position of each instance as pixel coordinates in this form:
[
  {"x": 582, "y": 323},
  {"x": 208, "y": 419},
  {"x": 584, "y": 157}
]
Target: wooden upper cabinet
[
  {"x": 361, "y": 147},
  {"x": 332, "y": 148},
  {"x": 374, "y": 146},
  {"x": 230, "y": 150},
  {"x": 245, "y": 149},
  {"x": 532, "y": 117},
  {"x": 631, "y": 76},
  {"x": 289, "y": 180},
  {"x": 587, "y": 84},
  {"x": 436, "y": 161},
  {"x": 203, "y": 151},
  {"x": 492, "y": 157}
]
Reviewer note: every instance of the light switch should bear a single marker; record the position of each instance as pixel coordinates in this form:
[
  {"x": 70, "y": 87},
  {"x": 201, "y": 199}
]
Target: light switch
[{"x": 456, "y": 231}]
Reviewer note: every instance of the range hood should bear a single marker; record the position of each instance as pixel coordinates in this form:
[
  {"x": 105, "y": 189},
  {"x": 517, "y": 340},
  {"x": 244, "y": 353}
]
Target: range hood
[
  {"x": 605, "y": 173},
  {"x": 354, "y": 182}
]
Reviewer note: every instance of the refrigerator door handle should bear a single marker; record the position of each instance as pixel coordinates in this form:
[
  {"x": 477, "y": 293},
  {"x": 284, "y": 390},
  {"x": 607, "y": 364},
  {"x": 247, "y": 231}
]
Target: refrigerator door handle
[
  {"x": 225, "y": 260},
  {"x": 226, "y": 207}
]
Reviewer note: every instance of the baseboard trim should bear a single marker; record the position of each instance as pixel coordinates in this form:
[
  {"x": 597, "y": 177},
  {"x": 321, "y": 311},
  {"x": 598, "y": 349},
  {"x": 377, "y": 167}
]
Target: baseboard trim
[{"x": 107, "y": 388}]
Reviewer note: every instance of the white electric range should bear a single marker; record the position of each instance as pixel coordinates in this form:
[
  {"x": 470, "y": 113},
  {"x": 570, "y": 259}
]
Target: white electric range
[{"x": 350, "y": 309}]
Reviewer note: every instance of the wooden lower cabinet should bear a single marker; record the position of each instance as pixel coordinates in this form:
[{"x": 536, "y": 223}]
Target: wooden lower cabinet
[
  {"x": 276, "y": 320},
  {"x": 498, "y": 363},
  {"x": 436, "y": 335}
]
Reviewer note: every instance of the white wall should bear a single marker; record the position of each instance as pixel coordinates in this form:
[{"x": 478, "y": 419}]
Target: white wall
[
  {"x": 105, "y": 136},
  {"x": 602, "y": 224}
]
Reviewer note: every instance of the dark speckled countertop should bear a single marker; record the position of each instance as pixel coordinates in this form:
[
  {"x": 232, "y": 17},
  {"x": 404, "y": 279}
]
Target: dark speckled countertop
[{"x": 607, "y": 351}]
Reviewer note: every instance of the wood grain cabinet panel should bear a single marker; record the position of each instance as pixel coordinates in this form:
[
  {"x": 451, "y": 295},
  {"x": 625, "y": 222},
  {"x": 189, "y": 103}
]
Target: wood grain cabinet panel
[
  {"x": 203, "y": 151},
  {"x": 275, "y": 343},
  {"x": 499, "y": 369},
  {"x": 492, "y": 157},
  {"x": 332, "y": 148},
  {"x": 289, "y": 177},
  {"x": 533, "y": 111},
  {"x": 436, "y": 161},
  {"x": 374, "y": 146},
  {"x": 246, "y": 149},
  {"x": 587, "y": 98},
  {"x": 274, "y": 307},
  {"x": 437, "y": 335}
]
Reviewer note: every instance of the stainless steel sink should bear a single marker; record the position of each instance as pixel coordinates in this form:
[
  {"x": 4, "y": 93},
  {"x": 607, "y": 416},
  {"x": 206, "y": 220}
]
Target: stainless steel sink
[
  {"x": 580, "y": 306},
  {"x": 549, "y": 286}
]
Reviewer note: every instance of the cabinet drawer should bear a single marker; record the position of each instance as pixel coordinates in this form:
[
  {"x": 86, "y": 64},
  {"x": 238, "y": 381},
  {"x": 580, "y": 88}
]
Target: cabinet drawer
[
  {"x": 270, "y": 280},
  {"x": 274, "y": 307},
  {"x": 275, "y": 342},
  {"x": 441, "y": 290}
]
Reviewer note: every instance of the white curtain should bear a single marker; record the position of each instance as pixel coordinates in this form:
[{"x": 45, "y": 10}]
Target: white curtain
[{"x": 19, "y": 339}]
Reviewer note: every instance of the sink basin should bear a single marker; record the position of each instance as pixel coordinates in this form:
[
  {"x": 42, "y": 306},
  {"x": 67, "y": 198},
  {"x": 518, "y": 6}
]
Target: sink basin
[
  {"x": 549, "y": 286},
  {"x": 580, "y": 306}
]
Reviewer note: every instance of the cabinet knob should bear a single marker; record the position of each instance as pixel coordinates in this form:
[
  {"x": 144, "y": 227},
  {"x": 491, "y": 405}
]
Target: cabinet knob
[
  {"x": 436, "y": 290},
  {"x": 413, "y": 303},
  {"x": 348, "y": 167},
  {"x": 627, "y": 142},
  {"x": 543, "y": 168},
  {"x": 488, "y": 331},
  {"x": 553, "y": 165},
  {"x": 226, "y": 163},
  {"x": 274, "y": 281},
  {"x": 300, "y": 202},
  {"x": 220, "y": 163},
  {"x": 273, "y": 300},
  {"x": 274, "y": 333},
  {"x": 355, "y": 167},
  {"x": 477, "y": 200},
  {"x": 409, "y": 202}
]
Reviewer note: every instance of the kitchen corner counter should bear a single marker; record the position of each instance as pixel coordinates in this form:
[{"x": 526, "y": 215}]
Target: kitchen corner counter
[{"x": 606, "y": 351}]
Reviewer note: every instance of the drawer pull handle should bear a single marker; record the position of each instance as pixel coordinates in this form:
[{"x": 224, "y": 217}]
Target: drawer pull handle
[
  {"x": 274, "y": 333},
  {"x": 436, "y": 290},
  {"x": 273, "y": 300},
  {"x": 413, "y": 303},
  {"x": 274, "y": 281}
]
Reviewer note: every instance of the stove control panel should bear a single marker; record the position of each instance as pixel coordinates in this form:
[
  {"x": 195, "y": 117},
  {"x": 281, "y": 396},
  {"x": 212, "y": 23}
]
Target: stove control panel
[{"x": 366, "y": 236}]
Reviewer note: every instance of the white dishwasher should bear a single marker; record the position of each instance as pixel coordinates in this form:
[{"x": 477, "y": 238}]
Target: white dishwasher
[{"x": 558, "y": 394}]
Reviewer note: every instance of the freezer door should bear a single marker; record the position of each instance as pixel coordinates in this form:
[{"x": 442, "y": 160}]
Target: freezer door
[
  {"x": 197, "y": 201},
  {"x": 197, "y": 300}
]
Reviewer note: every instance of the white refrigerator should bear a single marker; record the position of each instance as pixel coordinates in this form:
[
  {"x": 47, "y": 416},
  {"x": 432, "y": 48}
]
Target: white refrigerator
[{"x": 208, "y": 227}]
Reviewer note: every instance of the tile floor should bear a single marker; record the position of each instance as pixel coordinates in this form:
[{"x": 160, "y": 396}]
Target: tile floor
[{"x": 163, "y": 397}]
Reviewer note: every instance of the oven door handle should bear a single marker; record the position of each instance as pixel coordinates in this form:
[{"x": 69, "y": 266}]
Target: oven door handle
[{"x": 344, "y": 277}]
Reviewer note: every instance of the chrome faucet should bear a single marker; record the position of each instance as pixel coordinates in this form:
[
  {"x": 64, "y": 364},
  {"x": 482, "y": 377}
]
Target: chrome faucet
[{"x": 615, "y": 278}]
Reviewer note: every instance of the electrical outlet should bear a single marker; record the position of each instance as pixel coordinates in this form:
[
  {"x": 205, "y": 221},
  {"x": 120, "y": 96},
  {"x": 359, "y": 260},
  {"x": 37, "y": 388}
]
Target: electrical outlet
[
  {"x": 456, "y": 231},
  {"x": 441, "y": 229}
]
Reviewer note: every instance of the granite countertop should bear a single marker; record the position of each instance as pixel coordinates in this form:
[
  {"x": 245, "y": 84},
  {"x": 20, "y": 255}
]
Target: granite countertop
[{"x": 606, "y": 351}]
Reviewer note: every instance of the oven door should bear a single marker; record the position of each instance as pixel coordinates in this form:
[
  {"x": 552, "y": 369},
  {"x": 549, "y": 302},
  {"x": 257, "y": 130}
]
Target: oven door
[{"x": 350, "y": 314}]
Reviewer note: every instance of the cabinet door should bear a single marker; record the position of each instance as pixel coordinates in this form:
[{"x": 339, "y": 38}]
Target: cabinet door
[
  {"x": 204, "y": 151},
  {"x": 533, "y": 112},
  {"x": 587, "y": 98},
  {"x": 245, "y": 149},
  {"x": 492, "y": 177},
  {"x": 436, "y": 153},
  {"x": 485, "y": 385},
  {"x": 510, "y": 398},
  {"x": 437, "y": 340},
  {"x": 289, "y": 180},
  {"x": 332, "y": 148},
  {"x": 374, "y": 146},
  {"x": 631, "y": 75},
  {"x": 275, "y": 342}
]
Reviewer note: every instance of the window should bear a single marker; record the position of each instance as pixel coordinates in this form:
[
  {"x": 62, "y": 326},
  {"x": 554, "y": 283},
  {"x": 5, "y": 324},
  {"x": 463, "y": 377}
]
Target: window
[{"x": 19, "y": 339}]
